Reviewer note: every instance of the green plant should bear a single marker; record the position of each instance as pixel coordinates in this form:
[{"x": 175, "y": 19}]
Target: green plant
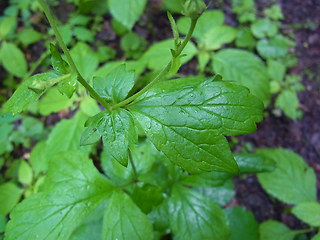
[
  {"x": 292, "y": 182},
  {"x": 164, "y": 149}
]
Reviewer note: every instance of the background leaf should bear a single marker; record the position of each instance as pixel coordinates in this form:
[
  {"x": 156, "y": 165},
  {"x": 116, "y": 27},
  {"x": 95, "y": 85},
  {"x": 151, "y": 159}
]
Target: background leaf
[{"x": 309, "y": 212}]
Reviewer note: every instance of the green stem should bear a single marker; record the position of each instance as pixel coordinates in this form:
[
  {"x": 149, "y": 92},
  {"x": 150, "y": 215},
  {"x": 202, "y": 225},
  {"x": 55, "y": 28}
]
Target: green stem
[
  {"x": 164, "y": 71},
  {"x": 83, "y": 82}
]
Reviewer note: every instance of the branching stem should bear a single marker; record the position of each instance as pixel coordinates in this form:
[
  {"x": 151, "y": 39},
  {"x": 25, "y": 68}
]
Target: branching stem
[
  {"x": 83, "y": 82},
  {"x": 164, "y": 71}
]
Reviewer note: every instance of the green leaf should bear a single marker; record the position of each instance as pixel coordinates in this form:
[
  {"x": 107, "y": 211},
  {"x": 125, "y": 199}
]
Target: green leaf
[
  {"x": 69, "y": 85},
  {"x": 10, "y": 195},
  {"x": 271, "y": 230},
  {"x": 117, "y": 131},
  {"x": 276, "y": 70},
  {"x": 115, "y": 86},
  {"x": 53, "y": 101},
  {"x": 127, "y": 12},
  {"x": 37, "y": 158},
  {"x": 244, "y": 68},
  {"x": 25, "y": 173},
  {"x": 192, "y": 216},
  {"x": 8, "y": 25},
  {"x": 264, "y": 28},
  {"x": 58, "y": 64},
  {"x": 158, "y": 55},
  {"x": 242, "y": 224},
  {"x": 123, "y": 220},
  {"x": 207, "y": 179},
  {"x": 316, "y": 237},
  {"x": 293, "y": 181},
  {"x": 74, "y": 188},
  {"x": 87, "y": 231},
  {"x": 221, "y": 195},
  {"x": 5, "y": 145},
  {"x": 3, "y": 222},
  {"x": 276, "y": 47},
  {"x": 274, "y": 12},
  {"x": 174, "y": 29},
  {"x": 309, "y": 212},
  {"x": 207, "y": 21},
  {"x": 245, "y": 39},
  {"x": 83, "y": 34},
  {"x": 254, "y": 163},
  {"x": 24, "y": 96},
  {"x": 288, "y": 102},
  {"x": 85, "y": 59},
  {"x": 29, "y": 36},
  {"x": 66, "y": 136},
  {"x": 217, "y": 36},
  {"x": 185, "y": 119},
  {"x": 13, "y": 59}
]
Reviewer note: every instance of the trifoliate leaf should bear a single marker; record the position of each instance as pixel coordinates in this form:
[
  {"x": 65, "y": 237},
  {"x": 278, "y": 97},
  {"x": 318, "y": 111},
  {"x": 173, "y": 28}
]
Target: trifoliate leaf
[
  {"x": 13, "y": 60},
  {"x": 293, "y": 181},
  {"x": 24, "y": 96},
  {"x": 127, "y": 12},
  {"x": 244, "y": 68},
  {"x": 187, "y": 118},
  {"x": 309, "y": 212},
  {"x": 242, "y": 224},
  {"x": 192, "y": 216},
  {"x": 117, "y": 130},
  {"x": 271, "y": 230},
  {"x": 124, "y": 220},
  {"x": 73, "y": 189},
  {"x": 116, "y": 85}
]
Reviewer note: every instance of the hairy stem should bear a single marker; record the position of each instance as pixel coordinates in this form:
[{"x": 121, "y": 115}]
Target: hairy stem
[
  {"x": 164, "y": 71},
  {"x": 83, "y": 82}
]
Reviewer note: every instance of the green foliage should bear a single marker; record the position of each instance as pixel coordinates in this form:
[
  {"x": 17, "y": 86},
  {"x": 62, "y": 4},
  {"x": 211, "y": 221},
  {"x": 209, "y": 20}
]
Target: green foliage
[
  {"x": 309, "y": 212},
  {"x": 127, "y": 12},
  {"x": 293, "y": 181},
  {"x": 10, "y": 195},
  {"x": 270, "y": 230}
]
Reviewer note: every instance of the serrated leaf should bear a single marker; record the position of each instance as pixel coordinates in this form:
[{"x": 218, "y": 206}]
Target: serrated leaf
[
  {"x": 127, "y": 12},
  {"x": 264, "y": 28},
  {"x": 217, "y": 36},
  {"x": 24, "y": 96},
  {"x": 115, "y": 86},
  {"x": 74, "y": 188},
  {"x": 123, "y": 220},
  {"x": 159, "y": 54},
  {"x": 13, "y": 59},
  {"x": 186, "y": 118},
  {"x": 293, "y": 181},
  {"x": 192, "y": 216},
  {"x": 271, "y": 230},
  {"x": 207, "y": 179},
  {"x": 242, "y": 223},
  {"x": 244, "y": 68},
  {"x": 309, "y": 212},
  {"x": 117, "y": 131},
  {"x": 208, "y": 20},
  {"x": 254, "y": 163},
  {"x": 10, "y": 195}
]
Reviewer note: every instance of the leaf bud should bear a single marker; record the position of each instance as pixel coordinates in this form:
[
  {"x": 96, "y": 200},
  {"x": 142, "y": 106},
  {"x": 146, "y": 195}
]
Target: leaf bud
[{"x": 194, "y": 8}]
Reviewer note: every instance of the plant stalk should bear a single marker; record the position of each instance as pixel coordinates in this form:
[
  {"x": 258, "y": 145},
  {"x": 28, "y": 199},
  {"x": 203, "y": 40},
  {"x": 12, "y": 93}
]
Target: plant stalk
[
  {"x": 164, "y": 71},
  {"x": 83, "y": 82}
]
